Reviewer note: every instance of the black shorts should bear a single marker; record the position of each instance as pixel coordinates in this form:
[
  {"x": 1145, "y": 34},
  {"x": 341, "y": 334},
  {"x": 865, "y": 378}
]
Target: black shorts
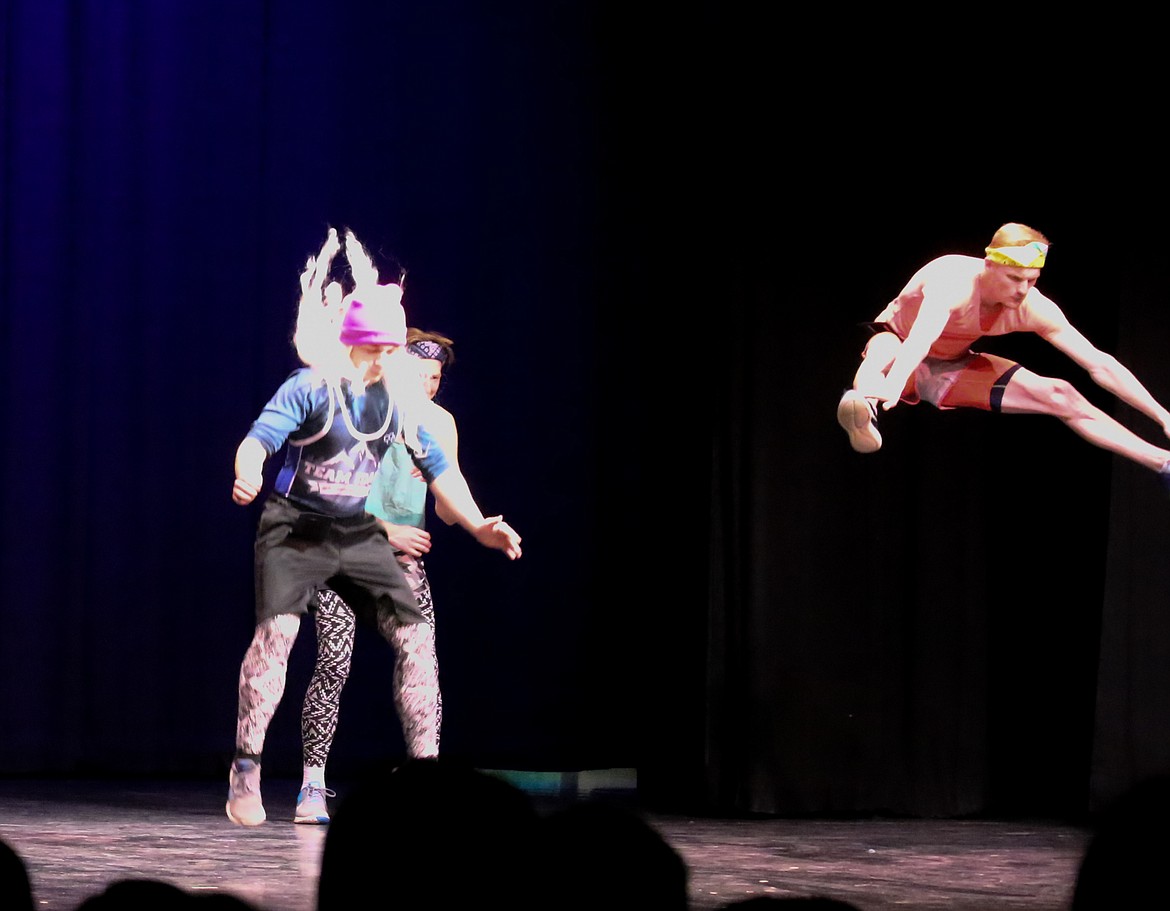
[{"x": 299, "y": 552}]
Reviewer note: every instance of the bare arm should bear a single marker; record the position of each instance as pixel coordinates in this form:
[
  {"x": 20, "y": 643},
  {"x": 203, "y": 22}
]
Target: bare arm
[
  {"x": 250, "y": 457},
  {"x": 447, "y": 434},
  {"x": 928, "y": 326},
  {"x": 453, "y": 495},
  {"x": 317, "y": 306},
  {"x": 365, "y": 273},
  {"x": 1104, "y": 369},
  {"x": 317, "y": 268},
  {"x": 407, "y": 538}
]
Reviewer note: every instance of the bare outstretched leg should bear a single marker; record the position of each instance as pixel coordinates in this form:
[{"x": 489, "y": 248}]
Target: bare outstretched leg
[{"x": 1030, "y": 393}]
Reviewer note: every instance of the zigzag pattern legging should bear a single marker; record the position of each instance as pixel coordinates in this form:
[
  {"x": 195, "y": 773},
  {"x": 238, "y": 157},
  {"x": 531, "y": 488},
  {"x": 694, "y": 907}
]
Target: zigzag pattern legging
[{"x": 417, "y": 697}]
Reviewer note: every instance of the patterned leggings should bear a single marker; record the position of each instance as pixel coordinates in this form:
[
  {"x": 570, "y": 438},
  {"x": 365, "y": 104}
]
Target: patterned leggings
[
  {"x": 417, "y": 696},
  {"x": 262, "y": 677}
]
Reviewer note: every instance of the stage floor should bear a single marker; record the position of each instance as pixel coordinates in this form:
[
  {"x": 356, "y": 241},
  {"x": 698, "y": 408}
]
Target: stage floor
[{"x": 77, "y": 837}]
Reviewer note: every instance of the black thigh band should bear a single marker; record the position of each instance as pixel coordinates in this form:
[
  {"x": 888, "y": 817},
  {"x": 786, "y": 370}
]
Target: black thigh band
[
  {"x": 1000, "y": 385},
  {"x": 874, "y": 328}
]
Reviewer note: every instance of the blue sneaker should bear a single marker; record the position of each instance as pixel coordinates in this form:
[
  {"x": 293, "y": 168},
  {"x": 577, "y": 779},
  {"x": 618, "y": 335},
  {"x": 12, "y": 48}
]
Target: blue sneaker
[{"x": 312, "y": 809}]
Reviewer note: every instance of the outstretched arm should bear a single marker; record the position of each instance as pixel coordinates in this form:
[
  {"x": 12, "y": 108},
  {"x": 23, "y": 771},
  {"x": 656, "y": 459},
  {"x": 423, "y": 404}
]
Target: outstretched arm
[
  {"x": 315, "y": 335},
  {"x": 442, "y": 425},
  {"x": 317, "y": 268},
  {"x": 365, "y": 273},
  {"x": 1104, "y": 369},
  {"x": 453, "y": 495}
]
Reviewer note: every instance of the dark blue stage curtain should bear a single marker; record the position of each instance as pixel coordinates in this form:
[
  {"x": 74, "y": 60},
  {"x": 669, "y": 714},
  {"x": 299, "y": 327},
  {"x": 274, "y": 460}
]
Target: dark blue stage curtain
[{"x": 165, "y": 170}]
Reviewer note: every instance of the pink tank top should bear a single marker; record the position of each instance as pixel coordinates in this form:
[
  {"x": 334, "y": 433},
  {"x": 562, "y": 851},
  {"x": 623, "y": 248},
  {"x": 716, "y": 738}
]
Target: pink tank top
[{"x": 964, "y": 328}]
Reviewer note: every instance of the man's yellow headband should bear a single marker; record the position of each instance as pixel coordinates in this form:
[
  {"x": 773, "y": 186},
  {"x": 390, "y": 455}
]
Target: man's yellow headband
[{"x": 1029, "y": 256}]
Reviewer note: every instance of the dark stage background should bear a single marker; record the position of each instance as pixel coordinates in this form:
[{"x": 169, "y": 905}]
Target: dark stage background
[{"x": 652, "y": 240}]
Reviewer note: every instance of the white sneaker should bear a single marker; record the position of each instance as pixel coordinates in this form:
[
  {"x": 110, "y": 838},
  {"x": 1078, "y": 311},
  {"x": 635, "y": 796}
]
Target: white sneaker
[
  {"x": 244, "y": 806},
  {"x": 857, "y": 415},
  {"x": 312, "y": 808}
]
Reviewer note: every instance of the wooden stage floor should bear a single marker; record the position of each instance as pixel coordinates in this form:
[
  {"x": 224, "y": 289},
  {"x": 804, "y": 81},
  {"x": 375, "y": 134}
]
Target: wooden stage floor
[{"x": 76, "y": 837}]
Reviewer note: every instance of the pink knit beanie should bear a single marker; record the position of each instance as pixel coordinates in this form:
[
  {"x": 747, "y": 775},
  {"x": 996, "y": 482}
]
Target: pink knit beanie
[{"x": 375, "y": 317}]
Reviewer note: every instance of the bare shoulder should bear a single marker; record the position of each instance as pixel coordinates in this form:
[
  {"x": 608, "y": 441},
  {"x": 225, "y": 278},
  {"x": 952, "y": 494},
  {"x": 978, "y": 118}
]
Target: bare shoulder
[
  {"x": 441, "y": 416},
  {"x": 948, "y": 281},
  {"x": 1043, "y": 311},
  {"x": 954, "y": 268},
  {"x": 441, "y": 424}
]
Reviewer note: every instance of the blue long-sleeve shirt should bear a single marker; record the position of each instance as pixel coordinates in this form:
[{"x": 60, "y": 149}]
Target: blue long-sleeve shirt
[{"x": 331, "y": 473}]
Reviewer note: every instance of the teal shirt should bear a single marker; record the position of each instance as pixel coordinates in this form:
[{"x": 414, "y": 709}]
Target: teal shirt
[{"x": 396, "y": 495}]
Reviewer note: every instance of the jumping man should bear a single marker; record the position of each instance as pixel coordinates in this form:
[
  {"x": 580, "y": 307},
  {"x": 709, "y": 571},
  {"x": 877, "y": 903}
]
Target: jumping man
[{"x": 921, "y": 351}]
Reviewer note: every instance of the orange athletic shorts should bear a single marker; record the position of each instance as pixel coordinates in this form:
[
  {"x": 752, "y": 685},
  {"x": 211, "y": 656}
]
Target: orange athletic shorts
[{"x": 972, "y": 381}]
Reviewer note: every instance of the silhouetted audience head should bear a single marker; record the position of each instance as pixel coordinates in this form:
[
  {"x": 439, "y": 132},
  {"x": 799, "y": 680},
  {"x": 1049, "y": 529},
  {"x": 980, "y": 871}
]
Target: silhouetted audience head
[
  {"x": 157, "y": 895},
  {"x": 598, "y": 855},
  {"x": 145, "y": 894},
  {"x": 221, "y": 901},
  {"x": 428, "y": 833},
  {"x": 1124, "y": 862},
  {"x": 15, "y": 887},
  {"x": 783, "y": 903}
]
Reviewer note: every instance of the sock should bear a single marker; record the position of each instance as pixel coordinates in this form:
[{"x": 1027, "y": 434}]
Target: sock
[{"x": 314, "y": 774}]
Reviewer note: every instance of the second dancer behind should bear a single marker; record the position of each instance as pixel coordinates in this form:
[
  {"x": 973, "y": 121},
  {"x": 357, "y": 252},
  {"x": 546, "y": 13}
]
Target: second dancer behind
[{"x": 398, "y": 499}]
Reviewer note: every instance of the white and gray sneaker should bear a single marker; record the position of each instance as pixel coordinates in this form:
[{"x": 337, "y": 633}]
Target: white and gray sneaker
[
  {"x": 857, "y": 415},
  {"x": 311, "y": 806},
  {"x": 244, "y": 806}
]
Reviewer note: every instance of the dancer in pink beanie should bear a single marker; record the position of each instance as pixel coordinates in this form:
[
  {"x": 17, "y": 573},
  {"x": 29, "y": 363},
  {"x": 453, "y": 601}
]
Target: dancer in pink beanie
[{"x": 335, "y": 418}]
